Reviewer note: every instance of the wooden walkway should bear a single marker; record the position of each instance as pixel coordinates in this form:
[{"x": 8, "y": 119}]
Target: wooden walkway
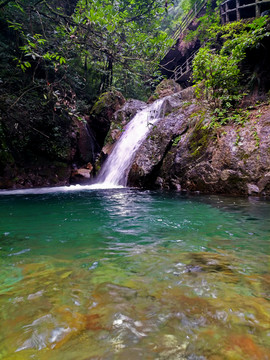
[
  {"x": 230, "y": 10},
  {"x": 182, "y": 72},
  {"x": 185, "y": 21}
]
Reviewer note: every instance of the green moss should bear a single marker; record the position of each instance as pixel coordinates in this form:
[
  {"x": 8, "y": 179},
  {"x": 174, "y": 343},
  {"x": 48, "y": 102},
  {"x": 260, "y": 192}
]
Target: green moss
[
  {"x": 256, "y": 138},
  {"x": 98, "y": 164},
  {"x": 244, "y": 156},
  {"x": 106, "y": 101},
  {"x": 186, "y": 104},
  {"x": 174, "y": 110},
  {"x": 166, "y": 85},
  {"x": 176, "y": 140},
  {"x": 155, "y": 96},
  {"x": 199, "y": 138},
  {"x": 114, "y": 126},
  {"x": 101, "y": 103},
  {"x": 200, "y": 114},
  {"x": 238, "y": 137}
]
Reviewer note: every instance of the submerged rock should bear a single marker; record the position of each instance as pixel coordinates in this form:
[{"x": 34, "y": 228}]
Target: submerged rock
[{"x": 210, "y": 262}]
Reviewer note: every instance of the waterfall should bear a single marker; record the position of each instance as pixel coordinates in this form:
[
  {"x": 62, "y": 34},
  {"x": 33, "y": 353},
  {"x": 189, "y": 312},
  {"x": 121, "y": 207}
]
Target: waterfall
[
  {"x": 115, "y": 170},
  {"x": 116, "y": 167}
]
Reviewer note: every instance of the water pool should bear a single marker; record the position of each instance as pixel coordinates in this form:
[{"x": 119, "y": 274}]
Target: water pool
[{"x": 129, "y": 274}]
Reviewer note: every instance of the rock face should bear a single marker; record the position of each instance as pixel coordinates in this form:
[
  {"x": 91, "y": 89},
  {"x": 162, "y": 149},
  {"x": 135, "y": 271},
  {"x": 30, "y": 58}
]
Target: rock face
[
  {"x": 44, "y": 173},
  {"x": 121, "y": 118},
  {"x": 183, "y": 152},
  {"x": 165, "y": 88},
  {"x": 126, "y": 112},
  {"x": 54, "y": 147},
  {"x": 87, "y": 147},
  {"x": 118, "y": 122},
  {"x": 82, "y": 175},
  {"x": 102, "y": 112}
]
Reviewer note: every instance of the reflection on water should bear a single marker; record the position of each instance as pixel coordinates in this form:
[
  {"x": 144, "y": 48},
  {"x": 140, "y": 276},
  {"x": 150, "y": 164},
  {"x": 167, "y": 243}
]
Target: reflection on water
[{"x": 125, "y": 274}]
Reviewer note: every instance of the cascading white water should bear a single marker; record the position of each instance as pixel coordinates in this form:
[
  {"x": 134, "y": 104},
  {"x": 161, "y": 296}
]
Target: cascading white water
[{"x": 115, "y": 170}]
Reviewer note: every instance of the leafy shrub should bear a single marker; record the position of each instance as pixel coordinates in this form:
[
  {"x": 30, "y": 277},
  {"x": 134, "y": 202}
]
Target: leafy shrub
[{"x": 216, "y": 73}]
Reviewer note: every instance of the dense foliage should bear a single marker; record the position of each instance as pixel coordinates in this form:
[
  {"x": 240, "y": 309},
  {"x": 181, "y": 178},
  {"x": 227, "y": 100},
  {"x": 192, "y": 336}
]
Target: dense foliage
[
  {"x": 217, "y": 71},
  {"x": 57, "y": 57},
  {"x": 103, "y": 43}
]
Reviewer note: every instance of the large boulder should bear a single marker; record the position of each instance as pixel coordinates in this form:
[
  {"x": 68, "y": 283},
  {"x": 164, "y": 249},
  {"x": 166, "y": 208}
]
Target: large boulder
[
  {"x": 128, "y": 111},
  {"x": 184, "y": 152},
  {"x": 87, "y": 146},
  {"x": 121, "y": 118},
  {"x": 102, "y": 114},
  {"x": 162, "y": 137},
  {"x": 165, "y": 88}
]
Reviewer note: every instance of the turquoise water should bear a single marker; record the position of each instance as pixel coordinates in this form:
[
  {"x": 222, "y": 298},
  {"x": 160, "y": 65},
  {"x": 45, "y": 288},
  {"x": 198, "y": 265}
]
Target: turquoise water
[{"x": 129, "y": 274}]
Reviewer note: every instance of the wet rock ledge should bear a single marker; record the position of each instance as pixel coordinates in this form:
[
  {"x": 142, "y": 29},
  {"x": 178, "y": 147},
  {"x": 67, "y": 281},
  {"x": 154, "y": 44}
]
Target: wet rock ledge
[{"x": 183, "y": 152}]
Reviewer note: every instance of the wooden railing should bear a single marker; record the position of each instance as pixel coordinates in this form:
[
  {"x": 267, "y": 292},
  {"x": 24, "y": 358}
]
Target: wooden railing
[
  {"x": 181, "y": 71},
  {"x": 234, "y": 10},
  {"x": 230, "y": 10}
]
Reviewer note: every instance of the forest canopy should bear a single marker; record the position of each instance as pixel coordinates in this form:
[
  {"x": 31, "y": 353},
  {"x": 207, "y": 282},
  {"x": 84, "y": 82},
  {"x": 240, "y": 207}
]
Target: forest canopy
[{"x": 113, "y": 43}]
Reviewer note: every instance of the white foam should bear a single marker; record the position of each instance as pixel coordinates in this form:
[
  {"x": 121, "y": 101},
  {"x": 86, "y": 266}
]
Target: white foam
[{"x": 63, "y": 189}]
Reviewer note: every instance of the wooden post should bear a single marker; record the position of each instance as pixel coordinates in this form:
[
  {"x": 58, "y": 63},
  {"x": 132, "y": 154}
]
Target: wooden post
[
  {"x": 237, "y": 11},
  {"x": 226, "y": 10},
  {"x": 258, "y": 8},
  {"x": 221, "y": 10}
]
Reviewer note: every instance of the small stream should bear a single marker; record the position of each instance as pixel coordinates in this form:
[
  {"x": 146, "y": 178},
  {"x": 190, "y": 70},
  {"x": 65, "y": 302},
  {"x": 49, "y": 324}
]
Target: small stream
[{"x": 130, "y": 274}]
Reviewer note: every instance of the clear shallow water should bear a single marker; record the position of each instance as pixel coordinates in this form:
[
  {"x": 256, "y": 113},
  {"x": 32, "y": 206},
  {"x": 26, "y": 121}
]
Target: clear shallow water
[{"x": 127, "y": 274}]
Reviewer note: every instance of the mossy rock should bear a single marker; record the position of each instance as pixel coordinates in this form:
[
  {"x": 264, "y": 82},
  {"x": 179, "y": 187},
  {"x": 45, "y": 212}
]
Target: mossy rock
[
  {"x": 106, "y": 102},
  {"x": 200, "y": 135},
  {"x": 102, "y": 112},
  {"x": 165, "y": 88}
]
